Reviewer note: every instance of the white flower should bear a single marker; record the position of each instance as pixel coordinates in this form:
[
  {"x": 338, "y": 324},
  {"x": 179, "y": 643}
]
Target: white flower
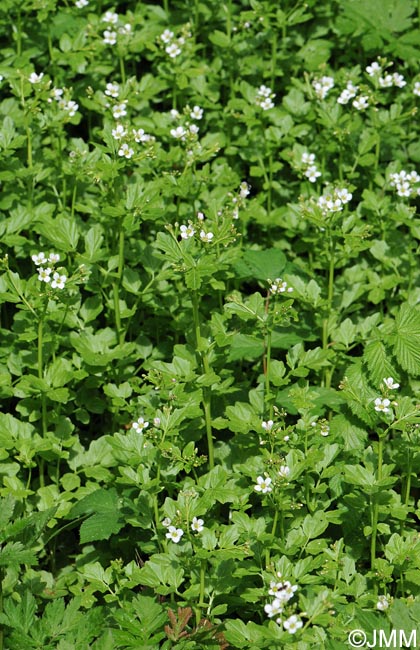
[
  {"x": 126, "y": 151},
  {"x": 53, "y": 258},
  {"x": 323, "y": 86},
  {"x": 416, "y": 89},
  {"x": 44, "y": 274},
  {"x": 361, "y": 103},
  {"x": 348, "y": 93},
  {"x": 244, "y": 190},
  {"x": 110, "y": 38},
  {"x": 343, "y": 194},
  {"x": 81, "y": 3},
  {"x": 179, "y": 133},
  {"x": 110, "y": 17},
  {"x": 69, "y": 106},
  {"x": 58, "y": 281},
  {"x": 35, "y": 78},
  {"x": 390, "y": 384},
  {"x": 308, "y": 158},
  {"x": 373, "y": 69},
  {"x": 173, "y": 50},
  {"x": 386, "y": 82},
  {"x": 312, "y": 173},
  {"x": 266, "y": 104},
  {"x": 119, "y": 110},
  {"x": 39, "y": 259},
  {"x": 166, "y": 522},
  {"x": 284, "y": 471},
  {"x": 283, "y": 591},
  {"x": 141, "y": 136},
  {"x": 112, "y": 90},
  {"x": 264, "y": 91},
  {"x": 263, "y": 485},
  {"x": 206, "y": 236},
  {"x": 267, "y": 426},
  {"x": 125, "y": 29},
  {"x": 174, "y": 534},
  {"x": 193, "y": 128},
  {"x": 274, "y": 609},
  {"x": 140, "y": 425},
  {"x": 119, "y": 132},
  {"x": 197, "y": 525},
  {"x": 156, "y": 422},
  {"x": 56, "y": 94},
  {"x": 166, "y": 36},
  {"x": 187, "y": 231},
  {"x": 381, "y": 405},
  {"x": 279, "y": 286},
  {"x": 383, "y": 603},
  {"x": 293, "y": 624},
  {"x": 196, "y": 113},
  {"x": 398, "y": 80}
]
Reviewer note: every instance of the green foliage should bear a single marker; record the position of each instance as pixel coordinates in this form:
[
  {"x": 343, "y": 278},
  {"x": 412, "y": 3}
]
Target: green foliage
[{"x": 209, "y": 290}]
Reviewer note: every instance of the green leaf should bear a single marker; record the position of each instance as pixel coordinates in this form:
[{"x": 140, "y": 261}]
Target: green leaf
[
  {"x": 377, "y": 358},
  {"x": 104, "y": 520},
  {"x": 407, "y": 339},
  {"x": 260, "y": 264}
]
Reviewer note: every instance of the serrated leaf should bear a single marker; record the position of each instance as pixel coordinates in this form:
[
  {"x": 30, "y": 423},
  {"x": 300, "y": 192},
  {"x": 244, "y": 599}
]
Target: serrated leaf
[
  {"x": 407, "y": 339},
  {"x": 376, "y": 357},
  {"x": 104, "y": 520},
  {"x": 14, "y": 554},
  {"x": 260, "y": 265}
]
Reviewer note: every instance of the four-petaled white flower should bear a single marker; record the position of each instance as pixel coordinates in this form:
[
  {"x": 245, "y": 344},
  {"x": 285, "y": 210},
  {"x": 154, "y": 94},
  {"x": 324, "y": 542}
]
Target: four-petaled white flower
[
  {"x": 140, "y": 425},
  {"x": 263, "y": 485},
  {"x": 126, "y": 151},
  {"x": 112, "y": 90},
  {"x": 35, "y": 78},
  {"x": 390, "y": 383},
  {"x": 166, "y": 36},
  {"x": 274, "y": 609},
  {"x": 39, "y": 259},
  {"x": 323, "y": 86},
  {"x": 187, "y": 231},
  {"x": 179, "y": 133},
  {"x": 44, "y": 274},
  {"x": 292, "y": 624},
  {"x": 119, "y": 132},
  {"x": 197, "y": 525},
  {"x": 196, "y": 113},
  {"x": 110, "y": 17},
  {"x": 173, "y": 50},
  {"x": 53, "y": 258},
  {"x": 81, "y": 3},
  {"x": 174, "y": 534},
  {"x": 206, "y": 236},
  {"x": 267, "y": 426},
  {"x": 361, "y": 103},
  {"x": 373, "y": 69},
  {"x": 382, "y": 405},
  {"x": 119, "y": 110},
  {"x": 166, "y": 522},
  {"x": 110, "y": 38},
  {"x": 58, "y": 281}
]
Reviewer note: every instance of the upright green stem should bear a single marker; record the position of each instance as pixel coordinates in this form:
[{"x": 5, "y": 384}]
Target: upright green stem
[
  {"x": 375, "y": 505},
  {"x": 117, "y": 283},
  {"x": 43, "y": 396},
  {"x": 267, "y": 362},
  {"x": 203, "y": 567},
  {"x": 273, "y": 534},
  {"x": 204, "y": 363},
  {"x": 330, "y": 295}
]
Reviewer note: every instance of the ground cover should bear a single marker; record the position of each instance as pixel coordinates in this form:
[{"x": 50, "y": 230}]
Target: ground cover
[{"x": 210, "y": 328}]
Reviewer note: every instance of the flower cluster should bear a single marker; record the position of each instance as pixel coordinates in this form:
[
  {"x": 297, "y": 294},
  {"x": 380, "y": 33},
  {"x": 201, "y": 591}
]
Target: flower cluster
[
  {"x": 404, "y": 182},
  {"x": 48, "y": 274},
  {"x": 172, "y": 44},
  {"x": 278, "y": 286},
  {"x": 334, "y": 200},
  {"x": 61, "y": 96},
  {"x": 310, "y": 170},
  {"x": 349, "y": 92},
  {"x": 175, "y": 534},
  {"x": 282, "y": 591},
  {"x": 323, "y": 86},
  {"x": 187, "y": 231},
  {"x": 383, "y": 603},
  {"x": 375, "y": 70},
  {"x": 323, "y": 427},
  {"x": 264, "y": 98},
  {"x": 112, "y": 20}
]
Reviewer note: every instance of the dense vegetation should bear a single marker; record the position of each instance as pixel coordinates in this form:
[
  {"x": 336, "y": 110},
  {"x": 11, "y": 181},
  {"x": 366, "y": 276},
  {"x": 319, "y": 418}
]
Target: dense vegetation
[{"x": 210, "y": 327}]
